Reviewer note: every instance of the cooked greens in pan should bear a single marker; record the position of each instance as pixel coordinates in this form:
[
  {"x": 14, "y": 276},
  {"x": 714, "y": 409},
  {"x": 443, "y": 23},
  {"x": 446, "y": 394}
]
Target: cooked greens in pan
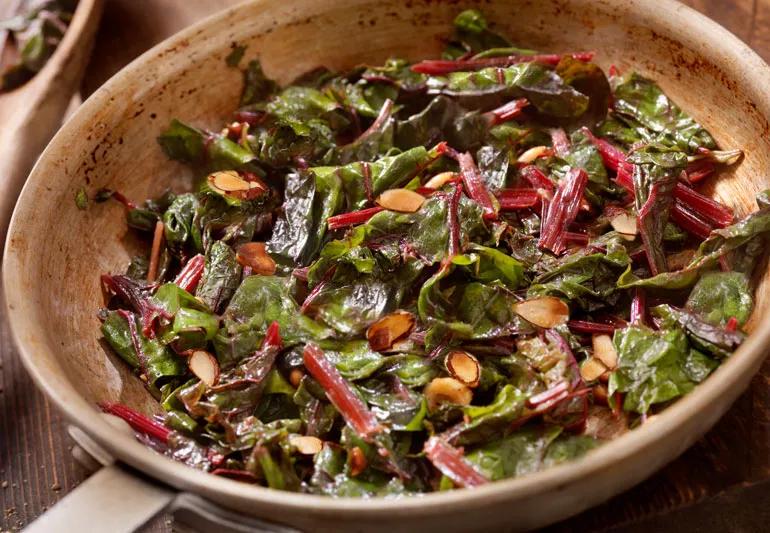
[{"x": 413, "y": 277}]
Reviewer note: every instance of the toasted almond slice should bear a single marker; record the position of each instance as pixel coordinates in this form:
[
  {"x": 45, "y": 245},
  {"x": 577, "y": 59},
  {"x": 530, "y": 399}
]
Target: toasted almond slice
[
  {"x": 625, "y": 224},
  {"x": 401, "y": 200},
  {"x": 254, "y": 255},
  {"x": 531, "y": 154},
  {"x": 204, "y": 366},
  {"x": 591, "y": 369},
  {"x": 605, "y": 351},
  {"x": 464, "y": 367},
  {"x": 446, "y": 390},
  {"x": 357, "y": 461},
  {"x": 390, "y": 328},
  {"x": 439, "y": 180},
  {"x": 545, "y": 312},
  {"x": 306, "y": 444},
  {"x": 228, "y": 181}
]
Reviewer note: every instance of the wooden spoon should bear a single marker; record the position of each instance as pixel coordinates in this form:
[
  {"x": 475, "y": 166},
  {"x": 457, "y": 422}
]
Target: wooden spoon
[{"x": 31, "y": 114}]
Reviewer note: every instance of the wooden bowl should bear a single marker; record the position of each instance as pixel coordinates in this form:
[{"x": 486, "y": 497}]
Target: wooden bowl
[{"x": 56, "y": 252}]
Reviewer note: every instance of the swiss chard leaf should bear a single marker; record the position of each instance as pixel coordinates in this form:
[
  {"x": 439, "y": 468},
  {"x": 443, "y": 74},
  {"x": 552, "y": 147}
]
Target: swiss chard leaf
[
  {"x": 582, "y": 154},
  {"x": 256, "y": 86},
  {"x": 518, "y": 454},
  {"x": 590, "y": 80},
  {"x": 442, "y": 119},
  {"x": 258, "y": 302},
  {"x": 640, "y": 100},
  {"x": 655, "y": 174},
  {"x": 704, "y": 336},
  {"x": 354, "y": 359},
  {"x": 651, "y": 366},
  {"x": 493, "y": 86},
  {"x": 721, "y": 242},
  {"x": 182, "y": 142},
  {"x": 471, "y": 34},
  {"x": 221, "y": 276},
  {"x": 487, "y": 421},
  {"x": 310, "y": 198},
  {"x": 386, "y": 173},
  {"x": 178, "y": 221},
  {"x": 587, "y": 278},
  {"x": 156, "y": 361},
  {"x": 719, "y": 296}
]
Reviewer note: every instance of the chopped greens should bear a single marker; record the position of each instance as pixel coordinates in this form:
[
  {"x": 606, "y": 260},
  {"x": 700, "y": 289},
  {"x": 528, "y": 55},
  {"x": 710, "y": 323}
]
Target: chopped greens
[
  {"x": 32, "y": 38},
  {"x": 413, "y": 277}
]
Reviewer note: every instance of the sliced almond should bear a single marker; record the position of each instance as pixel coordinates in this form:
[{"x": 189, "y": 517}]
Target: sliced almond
[
  {"x": 254, "y": 255},
  {"x": 625, "y": 224},
  {"x": 357, "y": 461},
  {"x": 591, "y": 369},
  {"x": 390, "y": 328},
  {"x": 228, "y": 181},
  {"x": 447, "y": 390},
  {"x": 204, "y": 366},
  {"x": 545, "y": 312},
  {"x": 605, "y": 351},
  {"x": 306, "y": 444},
  {"x": 401, "y": 200},
  {"x": 439, "y": 180},
  {"x": 233, "y": 184},
  {"x": 464, "y": 367},
  {"x": 531, "y": 154}
]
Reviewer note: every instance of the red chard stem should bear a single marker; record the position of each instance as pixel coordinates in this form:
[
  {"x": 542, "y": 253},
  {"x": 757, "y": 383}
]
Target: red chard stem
[
  {"x": 450, "y": 462},
  {"x": 353, "y": 218},
  {"x": 190, "y": 275},
  {"x": 138, "y": 421},
  {"x": 340, "y": 393}
]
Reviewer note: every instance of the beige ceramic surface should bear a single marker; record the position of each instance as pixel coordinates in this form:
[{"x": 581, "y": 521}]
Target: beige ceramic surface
[{"x": 56, "y": 252}]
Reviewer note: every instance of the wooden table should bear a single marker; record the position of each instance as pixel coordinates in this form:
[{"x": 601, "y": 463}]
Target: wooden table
[{"x": 720, "y": 484}]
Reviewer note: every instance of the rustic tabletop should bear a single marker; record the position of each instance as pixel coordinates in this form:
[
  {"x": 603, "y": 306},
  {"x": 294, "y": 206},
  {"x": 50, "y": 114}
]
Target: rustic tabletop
[{"x": 720, "y": 484}]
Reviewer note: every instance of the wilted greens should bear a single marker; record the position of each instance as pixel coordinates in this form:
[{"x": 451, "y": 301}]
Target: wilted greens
[
  {"x": 31, "y": 38},
  {"x": 412, "y": 277}
]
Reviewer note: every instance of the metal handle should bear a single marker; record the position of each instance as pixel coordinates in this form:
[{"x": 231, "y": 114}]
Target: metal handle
[
  {"x": 113, "y": 499},
  {"x": 120, "y": 500}
]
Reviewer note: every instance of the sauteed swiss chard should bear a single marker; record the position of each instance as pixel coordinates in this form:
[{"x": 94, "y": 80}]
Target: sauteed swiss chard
[{"x": 412, "y": 277}]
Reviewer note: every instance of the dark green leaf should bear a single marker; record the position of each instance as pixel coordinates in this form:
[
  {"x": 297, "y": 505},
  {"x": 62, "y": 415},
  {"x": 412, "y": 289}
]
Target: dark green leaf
[
  {"x": 178, "y": 220},
  {"x": 159, "y": 361},
  {"x": 182, "y": 142},
  {"x": 256, "y": 86},
  {"x": 488, "y": 421},
  {"x": 655, "y": 174},
  {"x": 719, "y": 296},
  {"x": 641, "y": 100},
  {"x": 221, "y": 276},
  {"x": 515, "y": 455},
  {"x": 706, "y": 337},
  {"x": 651, "y": 366},
  {"x": 494, "y": 86}
]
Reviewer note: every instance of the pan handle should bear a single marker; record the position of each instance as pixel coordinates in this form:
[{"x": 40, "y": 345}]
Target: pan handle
[
  {"x": 121, "y": 500},
  {"x": 113, "y": 499}
]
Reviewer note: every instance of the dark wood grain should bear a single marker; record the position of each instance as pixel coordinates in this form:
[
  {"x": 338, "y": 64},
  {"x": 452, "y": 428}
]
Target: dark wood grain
[{"x": 717, "y": 485}]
